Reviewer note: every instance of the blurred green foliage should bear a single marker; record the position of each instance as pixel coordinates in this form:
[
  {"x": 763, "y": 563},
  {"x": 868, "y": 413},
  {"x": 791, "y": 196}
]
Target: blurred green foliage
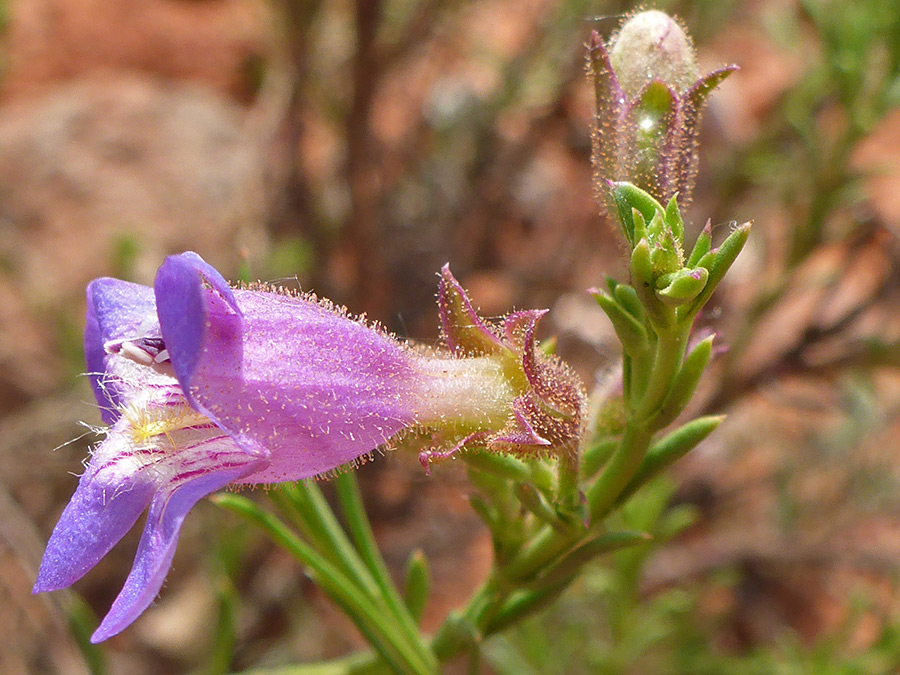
[{"x": 608, "y": 624}]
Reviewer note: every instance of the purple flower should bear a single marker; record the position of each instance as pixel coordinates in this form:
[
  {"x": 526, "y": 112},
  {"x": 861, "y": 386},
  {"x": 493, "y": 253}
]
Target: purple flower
[{"x": 203, "y": 386}]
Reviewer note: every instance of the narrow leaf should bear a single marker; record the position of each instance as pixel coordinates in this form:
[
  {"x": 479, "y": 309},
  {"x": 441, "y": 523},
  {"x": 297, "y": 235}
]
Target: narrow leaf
[
  {"x": 630, "y": 333},
  {"x": 670, "y": 448},
  {"x": 417, "y": 584}
]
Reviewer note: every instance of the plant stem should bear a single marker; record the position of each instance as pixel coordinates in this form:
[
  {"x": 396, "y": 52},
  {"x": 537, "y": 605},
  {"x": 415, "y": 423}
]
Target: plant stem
[
  {"x": 623, "y": 465},
  {"x": 670, "y": 348},
  {"x": 361, "y": 531},
  {"x": 383, "y": 634}
]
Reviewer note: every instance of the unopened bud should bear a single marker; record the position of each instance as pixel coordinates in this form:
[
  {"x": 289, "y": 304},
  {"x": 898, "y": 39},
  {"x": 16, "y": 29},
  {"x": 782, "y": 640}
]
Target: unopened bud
[
  {"x": 649, "y": 46},
  {"x": 649, "y": 98}
]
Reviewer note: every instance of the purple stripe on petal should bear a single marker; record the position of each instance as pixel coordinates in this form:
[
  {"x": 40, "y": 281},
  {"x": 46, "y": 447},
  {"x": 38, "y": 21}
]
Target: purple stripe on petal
[
  {"x": 154, "y": 555},
  {"x": 115, "y": 310}
]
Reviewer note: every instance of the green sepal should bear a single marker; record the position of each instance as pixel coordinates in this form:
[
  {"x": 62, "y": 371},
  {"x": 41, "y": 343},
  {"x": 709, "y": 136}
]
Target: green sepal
[
  {"x": 674, "y": 220},
  {"x": 703, "y": 88},
  {"x": 683, "y": 286},
  {"x": 669, "y": 449},
  {"x": 416, "y": 584},
  {"x": 657, "y": 100},
  {"x": 724, "y": 257},
  {"x": 628, "y": 329},
  {"x": 701, "y": 246},
  {"x": 627, "y": 197},
  {"x": 685, "y": 382}
]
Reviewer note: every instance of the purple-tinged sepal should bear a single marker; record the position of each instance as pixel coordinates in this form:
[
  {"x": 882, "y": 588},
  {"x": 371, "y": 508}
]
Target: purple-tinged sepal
[
  {"x": 543, "y": 414},
  {"x": 464, "y": 331}
]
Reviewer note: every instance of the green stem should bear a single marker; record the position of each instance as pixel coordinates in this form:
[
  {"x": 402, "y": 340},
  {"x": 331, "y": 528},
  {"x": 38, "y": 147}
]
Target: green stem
[
  {"x": 670, "y": 348},
  {"x": 382, "y": 634},
  {"x": 622, "y": 467},
  {"x": 567, "y": 467},
  {"x": 361, "y": 531}
]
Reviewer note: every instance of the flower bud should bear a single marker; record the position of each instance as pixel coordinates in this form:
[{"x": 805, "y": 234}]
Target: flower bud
[
  {"x": 648, "y": 103},
  {"x": 649, "y": 46}
]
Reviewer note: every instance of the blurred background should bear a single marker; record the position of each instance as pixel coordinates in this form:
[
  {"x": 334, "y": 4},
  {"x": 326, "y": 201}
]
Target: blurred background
[{"x": 352, "y": 148}]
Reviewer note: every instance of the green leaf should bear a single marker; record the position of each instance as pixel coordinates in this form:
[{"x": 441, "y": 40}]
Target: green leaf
[
  {"x": 724, "y": 257},
  {"x": 670, "y": 448},
  {"x": 378, "y": 628},
  {"x": 701, "y": 246},
  {"x": 360, "y": 530},
  {"x": 673, "y": 219},
  {"x": 625, "y": 296},
  {"x": 683, "y": 286},
  {"x": 685, "y": 382},
  {"x": 523, "y": 603},
  {"x": 571, "y": 563},
  {"x": 417, "y": 584},
  {"x": 629, "y": 331},
  {"x": 642, "y": 280},
  {"x": 640, "y": 225},
  {"x": 596, "y": 455}
]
